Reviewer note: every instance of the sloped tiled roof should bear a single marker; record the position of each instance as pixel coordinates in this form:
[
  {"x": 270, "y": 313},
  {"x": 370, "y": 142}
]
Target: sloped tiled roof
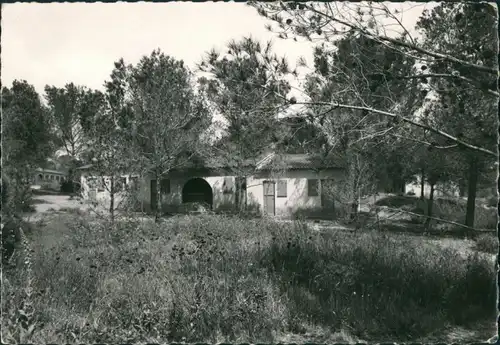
[
  {"x": 273, "y": 160},
  {"x": 264, "y": 162},
  {"x": 301, "y": 161},
  {"x": 51, "y": 171}
]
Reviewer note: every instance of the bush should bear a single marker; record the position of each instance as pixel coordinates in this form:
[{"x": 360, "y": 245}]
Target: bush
[
  {"x": 492, "y": 201},
  {"x": 486, "y": 218},
  {"x": 314, "y": 213},
  {"x": 70, "y": 187},
  {"x": 487, "y": 243},
  {"x": 14, "y": 200},
  {"x": 217, "y": 278}
]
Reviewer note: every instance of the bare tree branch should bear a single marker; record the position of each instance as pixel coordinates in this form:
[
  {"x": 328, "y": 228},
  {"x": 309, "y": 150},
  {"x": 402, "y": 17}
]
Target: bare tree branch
[
  {"x": 414, "y": 123},
  {"x": 440, "y": 75},
  {"x": 440, "y": 56}
]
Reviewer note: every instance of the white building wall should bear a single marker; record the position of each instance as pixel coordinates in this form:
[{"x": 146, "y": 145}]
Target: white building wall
[
  {"x": 102, "y": 195},
  {"x": 50, "y": 179},
  {"x": 178, "y": 182},
  {"x": 297, "y": 190}
]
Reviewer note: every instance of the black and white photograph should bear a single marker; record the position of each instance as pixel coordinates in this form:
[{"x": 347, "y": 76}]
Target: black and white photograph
[{"x": 249, "y": 172}]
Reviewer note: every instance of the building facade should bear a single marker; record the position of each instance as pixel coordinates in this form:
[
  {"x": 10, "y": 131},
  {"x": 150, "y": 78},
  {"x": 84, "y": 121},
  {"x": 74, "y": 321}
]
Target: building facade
[
  {"x": 49, "y": 179},
  {"x": 275, "y": 186}
]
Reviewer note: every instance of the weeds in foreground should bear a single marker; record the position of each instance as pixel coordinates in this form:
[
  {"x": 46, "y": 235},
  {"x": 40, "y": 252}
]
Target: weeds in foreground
[{"x": 214, "y": 278}]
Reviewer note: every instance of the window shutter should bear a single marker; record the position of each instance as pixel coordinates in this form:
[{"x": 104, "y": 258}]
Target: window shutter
[
  {"x": 165, "y": 186},
  {"x": 282, "y": 188},
  {"x": 312, "y": 187}
]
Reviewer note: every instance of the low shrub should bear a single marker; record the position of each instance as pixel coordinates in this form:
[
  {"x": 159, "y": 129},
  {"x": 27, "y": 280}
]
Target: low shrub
[
  {"x": 315, "y": 213},
  {"x": 70, "y": 187},
  {"x": 487, "y": 243},
  {"x": 492, "y": 201},
  {"x": 486, "y": 218},
  {"x": 397, "y": 201}
]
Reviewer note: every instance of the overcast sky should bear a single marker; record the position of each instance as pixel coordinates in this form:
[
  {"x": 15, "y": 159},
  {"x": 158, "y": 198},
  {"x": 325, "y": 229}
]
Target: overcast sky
[{"x": 58, "y": 43}]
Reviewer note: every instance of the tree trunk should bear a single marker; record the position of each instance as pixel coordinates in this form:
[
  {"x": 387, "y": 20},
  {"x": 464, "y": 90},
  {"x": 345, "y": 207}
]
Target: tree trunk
[
  {"x": 241, "y": 193},
  {"x": 354, "y": 203},
  {"x": 461, "y": 187},
  {"x": 429, "y": 207},
  {"x": 112, "y": 199},
  {"x": 422, "y": 184},
  {"x": 158, "y": 198},
  {"x": 471, "y": 192}
]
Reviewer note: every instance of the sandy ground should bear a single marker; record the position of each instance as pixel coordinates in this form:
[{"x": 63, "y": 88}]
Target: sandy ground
[{"x": 45, "y": 204}]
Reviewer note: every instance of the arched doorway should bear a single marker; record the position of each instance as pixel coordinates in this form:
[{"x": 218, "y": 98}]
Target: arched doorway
[{"x": 197, "y": 190}]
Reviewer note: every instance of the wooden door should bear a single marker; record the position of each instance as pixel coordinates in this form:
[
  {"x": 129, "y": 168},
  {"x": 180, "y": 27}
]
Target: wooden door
[
  {"x": 269, "y": 199},
  {"x": 153, "y": 194}
]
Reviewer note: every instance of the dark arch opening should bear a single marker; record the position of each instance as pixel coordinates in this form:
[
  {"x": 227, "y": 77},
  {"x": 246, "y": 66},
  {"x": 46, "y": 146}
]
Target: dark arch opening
[{"x": 197, "y": 190}]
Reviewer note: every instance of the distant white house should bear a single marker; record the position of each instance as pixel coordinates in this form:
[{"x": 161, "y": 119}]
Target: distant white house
[
  {"x": 49, "y": 179},
  {"x": 277, "y": 186},
  {"x": 440, "y": 190}
]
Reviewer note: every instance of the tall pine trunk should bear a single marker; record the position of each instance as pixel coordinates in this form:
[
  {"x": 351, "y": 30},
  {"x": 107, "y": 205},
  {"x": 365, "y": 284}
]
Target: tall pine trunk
[
  {"x": 112, "y": 199},
  {"x": 471, "y": 192},
  {"x": 461, "y": 188},
  {"x": 158, "y": 198},
  {"x": 422, "y": 184},
  {"x": 429, "y": 207},
  {"x": 240, "y": 193},
  {"x": 354, "y": 201}
]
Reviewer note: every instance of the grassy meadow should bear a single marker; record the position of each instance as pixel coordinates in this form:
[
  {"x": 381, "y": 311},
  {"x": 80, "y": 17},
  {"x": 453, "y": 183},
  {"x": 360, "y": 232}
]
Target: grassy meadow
[{"x": 219, "y": 278}]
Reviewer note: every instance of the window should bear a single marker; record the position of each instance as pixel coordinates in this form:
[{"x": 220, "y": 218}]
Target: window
[
  {"x": 228, "y": 185},
  {"x": 165, "y": 186},
  {"x": 312, "y": 187},
  {"x": 52, "y": 177},
  {"x": 282, "y": 189},
  {"x": 57, "y": 178},
  {"x": 101, "y": 184},
  {"x": 119, "y": 184},
  {"x": 91, "y": 183},
  {"x": 122, "y": 181},
  {"x": 133, "y": 182}
]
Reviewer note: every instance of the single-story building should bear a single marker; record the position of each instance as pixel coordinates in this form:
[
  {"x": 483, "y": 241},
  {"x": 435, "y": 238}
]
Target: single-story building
[
  {"x": 276, "y": 185},
  {"x": 49, "y": 178},
  {"x": 96, "y": 188}
]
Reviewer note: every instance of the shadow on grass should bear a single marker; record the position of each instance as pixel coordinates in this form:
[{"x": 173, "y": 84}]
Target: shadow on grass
[
  {"x": 49, "y": 192},
  {"x": 397, "y": 201},
  {"x": 40, "y": 201}
]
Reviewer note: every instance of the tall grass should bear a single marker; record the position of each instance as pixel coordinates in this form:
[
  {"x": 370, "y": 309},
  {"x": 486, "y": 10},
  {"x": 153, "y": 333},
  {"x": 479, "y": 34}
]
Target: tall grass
[{"x": 214, "y": 278}]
